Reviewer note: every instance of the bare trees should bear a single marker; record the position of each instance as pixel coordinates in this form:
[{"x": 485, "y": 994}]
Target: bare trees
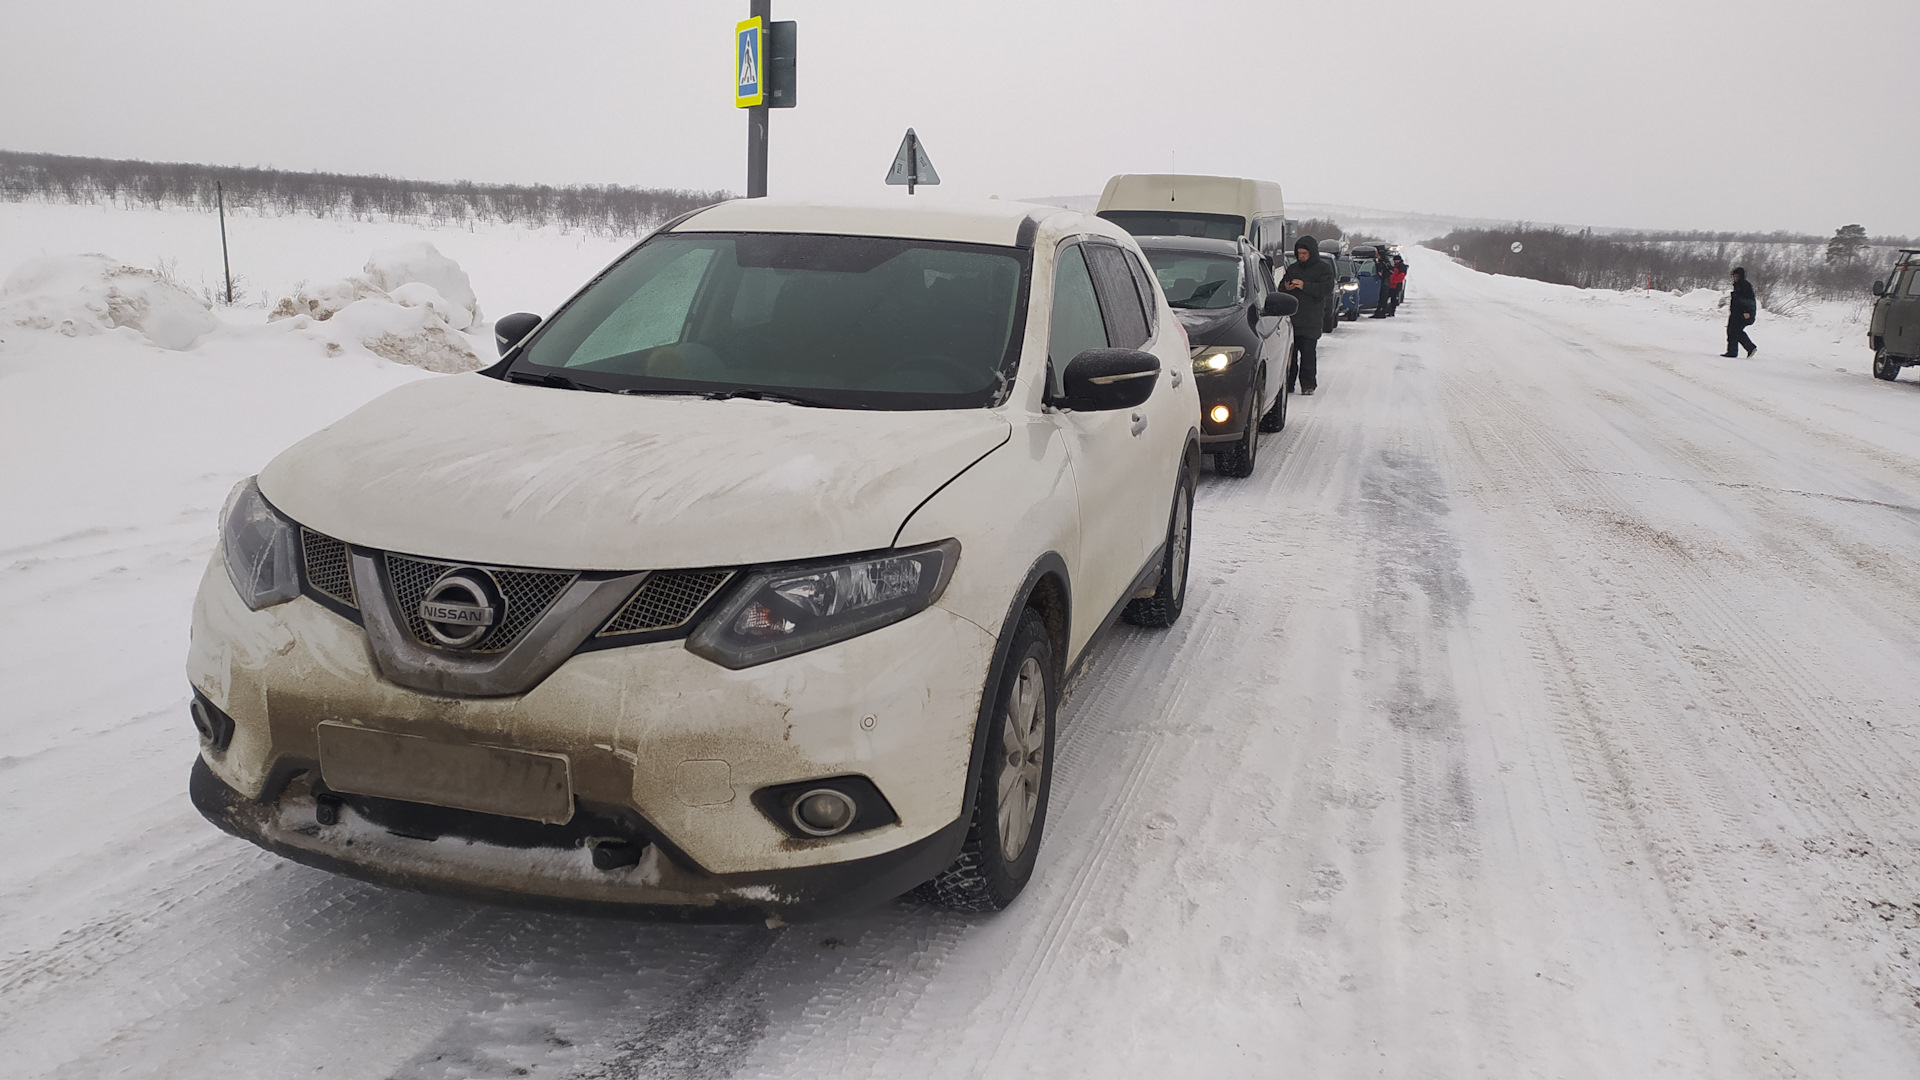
[
  {"x": 1786, "y": 269},
  {"x": 602, "y": 209}
]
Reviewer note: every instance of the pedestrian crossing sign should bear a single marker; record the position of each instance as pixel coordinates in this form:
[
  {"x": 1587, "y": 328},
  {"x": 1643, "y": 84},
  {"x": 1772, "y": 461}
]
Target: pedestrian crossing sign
[{"x": 750, "y": 88}]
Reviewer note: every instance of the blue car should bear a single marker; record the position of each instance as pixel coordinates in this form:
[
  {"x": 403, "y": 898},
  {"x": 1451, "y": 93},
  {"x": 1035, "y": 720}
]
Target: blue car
[
  {"x": 1366, "y": 294},
  {"x": 1346, "y": 292}
]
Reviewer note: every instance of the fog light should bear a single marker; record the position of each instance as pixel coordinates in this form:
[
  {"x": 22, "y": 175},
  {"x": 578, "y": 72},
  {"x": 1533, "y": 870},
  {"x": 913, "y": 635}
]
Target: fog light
[
  {"x": 1220, "y": 413},
  {"x": 214, "y": 726},
  {"x": 823, "y": 812}
]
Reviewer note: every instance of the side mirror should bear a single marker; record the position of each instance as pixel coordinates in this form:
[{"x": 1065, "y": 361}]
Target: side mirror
[
  {"x": 1879, "y": 288},
  {"x": 1280, "y": 305},
  {"x": 1099, "y": 380},
  {"x": 510, "y": 330}
]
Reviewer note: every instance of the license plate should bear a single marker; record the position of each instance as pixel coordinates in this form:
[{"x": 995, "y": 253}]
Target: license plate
[{"x": 489, "y": 779}]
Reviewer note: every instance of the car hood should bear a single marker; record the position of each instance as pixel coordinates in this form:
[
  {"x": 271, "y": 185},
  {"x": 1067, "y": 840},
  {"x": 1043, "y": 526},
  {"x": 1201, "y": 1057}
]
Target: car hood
[
  {"x": 1201, "y": 323},
  {"x": 473, "y": 469}
]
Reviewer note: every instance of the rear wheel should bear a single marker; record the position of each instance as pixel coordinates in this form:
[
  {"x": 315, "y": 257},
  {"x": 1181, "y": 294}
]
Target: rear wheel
[
  {"x": 1884, "y": 367},
  {"x": 1010, "y": 808},
  {"x": 1170, "y": 596}
]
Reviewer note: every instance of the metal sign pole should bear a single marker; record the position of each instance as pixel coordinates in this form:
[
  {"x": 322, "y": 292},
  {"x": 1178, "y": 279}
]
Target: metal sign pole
[
  {"x": 757, "y": 114},
  {"x": 220, "y": 201}
]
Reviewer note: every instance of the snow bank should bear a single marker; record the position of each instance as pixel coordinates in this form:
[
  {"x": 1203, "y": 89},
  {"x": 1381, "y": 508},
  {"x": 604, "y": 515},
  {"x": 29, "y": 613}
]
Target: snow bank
[
  {"x": 411, "y": 305},
  {"x": 420, "y": 263},
  {"x": 79, "y": 295}
]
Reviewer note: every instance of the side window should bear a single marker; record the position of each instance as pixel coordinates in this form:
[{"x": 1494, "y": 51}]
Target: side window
[
  {"x": 1149, "y": 293},
  {"x": 1076, "y": 325},
  {"x": 1258, "y": 282},
  {"x": 1913, "y": 283},
  {"x": 1119, "y": 297}
]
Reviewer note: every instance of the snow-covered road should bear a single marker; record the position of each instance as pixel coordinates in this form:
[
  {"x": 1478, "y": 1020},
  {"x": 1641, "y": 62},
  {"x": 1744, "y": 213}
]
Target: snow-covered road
[{"x": 1547, "y": 705}]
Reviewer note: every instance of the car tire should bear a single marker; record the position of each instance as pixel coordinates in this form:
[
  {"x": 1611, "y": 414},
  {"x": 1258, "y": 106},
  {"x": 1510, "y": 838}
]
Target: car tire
[
  {"x": 1238, "y": 461},
  {"x": 1275, "y": 419},
  {"x": 1883, "y": 368},
  {"x": 1169, "y": 598},
  {"x": 985, "y": 877}
]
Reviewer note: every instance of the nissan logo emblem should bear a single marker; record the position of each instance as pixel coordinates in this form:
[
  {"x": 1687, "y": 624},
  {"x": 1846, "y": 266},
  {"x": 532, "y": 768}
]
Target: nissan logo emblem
[{"x": 460, "y": 608}]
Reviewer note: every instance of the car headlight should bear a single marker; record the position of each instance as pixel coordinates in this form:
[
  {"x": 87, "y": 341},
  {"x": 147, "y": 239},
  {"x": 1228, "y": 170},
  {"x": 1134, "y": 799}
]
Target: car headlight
[
  {"x": 261, "y": 549},
  {"x": 788, "y": 610},
  {"x": 1215, "y": 357}
]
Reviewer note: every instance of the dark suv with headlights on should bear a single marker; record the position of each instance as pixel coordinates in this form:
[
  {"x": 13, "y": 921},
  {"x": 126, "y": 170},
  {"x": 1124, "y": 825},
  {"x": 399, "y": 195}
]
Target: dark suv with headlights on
[{"x": 1238, "y": 325}]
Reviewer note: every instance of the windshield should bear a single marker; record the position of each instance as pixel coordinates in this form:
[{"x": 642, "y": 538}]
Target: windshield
[
  {"x": 1171, "y": 223},
  {"x": 1193, "y": 279},
  {"x": 843, "y": 321}
]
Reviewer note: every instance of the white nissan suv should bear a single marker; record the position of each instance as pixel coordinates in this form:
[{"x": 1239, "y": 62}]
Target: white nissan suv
[{"x": 744, "y": 586}]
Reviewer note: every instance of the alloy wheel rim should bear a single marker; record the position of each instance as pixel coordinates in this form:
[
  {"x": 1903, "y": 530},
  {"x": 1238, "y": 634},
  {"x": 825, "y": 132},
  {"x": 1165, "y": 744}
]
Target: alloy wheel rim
[{"x": 1023, "y": 746}]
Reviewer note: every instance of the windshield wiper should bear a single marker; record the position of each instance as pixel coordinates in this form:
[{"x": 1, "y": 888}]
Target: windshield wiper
[
  {"x": 557, "y": 381},
  {"x": 1199, "y": 294},
  {"x": 771, "y": 395}
]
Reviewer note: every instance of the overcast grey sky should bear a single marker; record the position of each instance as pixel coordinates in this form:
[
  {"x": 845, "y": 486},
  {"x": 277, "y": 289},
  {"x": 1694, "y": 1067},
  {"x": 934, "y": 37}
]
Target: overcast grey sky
[{"x": 1709, "y": 114}]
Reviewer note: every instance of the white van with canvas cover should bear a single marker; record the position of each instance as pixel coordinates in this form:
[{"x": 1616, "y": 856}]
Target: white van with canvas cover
[{"x": 1218, "y": 207}]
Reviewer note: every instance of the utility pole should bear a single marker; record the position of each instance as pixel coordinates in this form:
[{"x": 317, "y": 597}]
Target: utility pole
[
  {"x": 763, "y": 57},
  {"x": 757, "y": 114},
  {"x": 220, "y": 201}
]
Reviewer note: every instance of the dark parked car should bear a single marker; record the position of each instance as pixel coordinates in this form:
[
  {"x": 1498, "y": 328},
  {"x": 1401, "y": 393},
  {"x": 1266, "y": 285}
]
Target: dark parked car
[
  {"x": 1239, "y": 327},
  {"x": 1341, "y": 300}
]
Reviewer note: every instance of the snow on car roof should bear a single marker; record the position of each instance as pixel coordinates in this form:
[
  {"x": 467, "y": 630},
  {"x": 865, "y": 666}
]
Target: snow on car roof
[{"x": 973, "y": 221}]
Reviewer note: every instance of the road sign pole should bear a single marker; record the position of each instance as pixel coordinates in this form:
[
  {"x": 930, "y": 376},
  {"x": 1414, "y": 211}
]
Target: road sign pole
[{"x": 757, "y": 115}]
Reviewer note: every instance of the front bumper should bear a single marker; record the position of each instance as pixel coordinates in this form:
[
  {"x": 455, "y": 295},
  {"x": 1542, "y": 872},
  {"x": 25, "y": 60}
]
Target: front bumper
[
  {"x": 1229, "y": 388},
  {"x": 561, "y": 878},
  {"x": 665, "y": 745}
]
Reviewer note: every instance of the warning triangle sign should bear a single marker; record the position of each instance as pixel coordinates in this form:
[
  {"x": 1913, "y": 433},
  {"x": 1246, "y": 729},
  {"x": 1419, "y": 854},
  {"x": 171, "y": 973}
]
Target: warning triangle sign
[{"x": 911, "y": 165}]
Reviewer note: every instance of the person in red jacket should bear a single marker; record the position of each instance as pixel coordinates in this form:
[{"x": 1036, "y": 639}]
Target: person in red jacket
[{"x": 1397, "y": 283}]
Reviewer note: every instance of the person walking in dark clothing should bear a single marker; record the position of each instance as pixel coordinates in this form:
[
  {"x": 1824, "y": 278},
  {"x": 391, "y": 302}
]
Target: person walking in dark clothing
[
  {"x": 1382, "y": 273},
  {"x": 1310, "y": 280},
  {"x": 1740, "y": 312},
  {"x": 1397, "y": 277}
]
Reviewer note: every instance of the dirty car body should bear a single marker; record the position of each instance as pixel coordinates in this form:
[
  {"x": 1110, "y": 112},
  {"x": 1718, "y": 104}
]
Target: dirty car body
[{"x": 700, "y": 603}]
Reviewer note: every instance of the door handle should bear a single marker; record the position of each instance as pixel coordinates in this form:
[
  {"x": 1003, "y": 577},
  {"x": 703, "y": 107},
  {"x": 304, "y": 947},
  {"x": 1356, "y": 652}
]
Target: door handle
[
  {"x": 1139, "y": 423},
  {"x": 1175, "y": 373}
]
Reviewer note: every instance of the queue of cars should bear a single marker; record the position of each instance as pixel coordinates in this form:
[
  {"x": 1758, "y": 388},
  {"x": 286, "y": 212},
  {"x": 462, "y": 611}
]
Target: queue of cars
[{"x": 744, "y": 586}]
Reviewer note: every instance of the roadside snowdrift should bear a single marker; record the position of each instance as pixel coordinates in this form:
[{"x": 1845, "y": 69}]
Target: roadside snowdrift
[
  {"x": 80, "y": 295},
  {"x": 411, "y": 305}
]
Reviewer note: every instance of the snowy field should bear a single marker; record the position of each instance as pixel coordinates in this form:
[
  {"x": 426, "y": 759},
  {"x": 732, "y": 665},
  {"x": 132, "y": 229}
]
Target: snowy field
[{"x": 1547, "y": 705}]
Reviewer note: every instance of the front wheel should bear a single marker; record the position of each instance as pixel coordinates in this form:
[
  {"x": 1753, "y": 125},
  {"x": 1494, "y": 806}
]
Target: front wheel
[
  {"x": 1010, "y": 808},
  {"x": 1238, "y": 461},
  {"x": 1170, "y": 596},
  {"x": 1275, "y": 419}
]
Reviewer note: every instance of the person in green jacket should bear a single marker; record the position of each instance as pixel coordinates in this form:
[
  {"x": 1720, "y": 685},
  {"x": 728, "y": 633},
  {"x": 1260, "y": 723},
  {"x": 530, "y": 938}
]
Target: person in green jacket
[{"x": 1310, "y": 280}]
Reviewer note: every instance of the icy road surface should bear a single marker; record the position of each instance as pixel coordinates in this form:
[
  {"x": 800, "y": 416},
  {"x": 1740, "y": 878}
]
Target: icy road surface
[{"x": 1547, "y": 705}]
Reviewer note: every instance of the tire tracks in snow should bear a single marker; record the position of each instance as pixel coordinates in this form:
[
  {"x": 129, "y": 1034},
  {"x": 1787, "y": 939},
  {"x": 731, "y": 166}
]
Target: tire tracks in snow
[{"x": 1699, "y": 822}]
